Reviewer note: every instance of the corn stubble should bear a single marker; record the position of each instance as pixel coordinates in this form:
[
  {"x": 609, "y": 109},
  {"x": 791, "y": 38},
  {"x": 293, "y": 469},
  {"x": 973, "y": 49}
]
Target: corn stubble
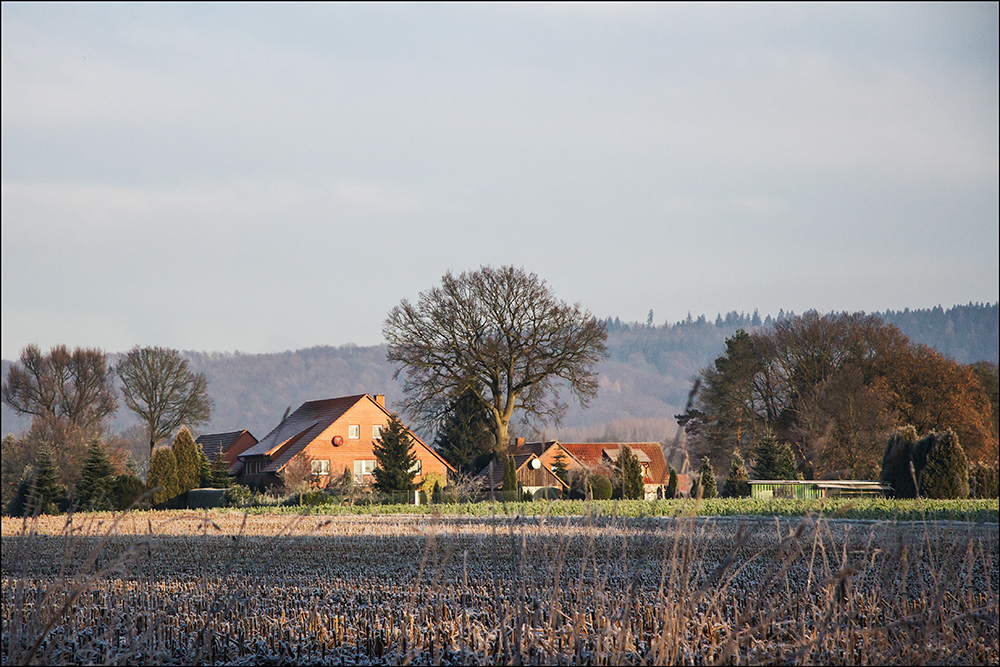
[{"x": 182, "y": 588}]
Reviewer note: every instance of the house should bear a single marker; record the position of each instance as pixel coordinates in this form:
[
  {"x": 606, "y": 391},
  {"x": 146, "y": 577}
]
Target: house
[
  {"x": 333, "y": 435},
  {"x": 231, "y": 444},
  {"x": 531, "y": 475},
  {"x": 601, "y": 457},
  {"x": 548, "y": 452}
]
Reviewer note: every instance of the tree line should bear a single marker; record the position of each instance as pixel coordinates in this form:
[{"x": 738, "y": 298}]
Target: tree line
[
  {"x": 830, "y": 388},
  {"x": 70, "y": 397}
]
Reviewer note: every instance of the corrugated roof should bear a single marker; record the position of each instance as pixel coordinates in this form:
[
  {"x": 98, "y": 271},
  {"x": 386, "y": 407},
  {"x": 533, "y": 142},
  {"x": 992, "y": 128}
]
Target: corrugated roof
[{"x": 213, "y": 443}]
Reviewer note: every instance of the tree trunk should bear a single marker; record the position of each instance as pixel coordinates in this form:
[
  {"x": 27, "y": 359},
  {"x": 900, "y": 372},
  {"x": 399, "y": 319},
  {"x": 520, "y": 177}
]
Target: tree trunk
[{"x": 502, "y": 444}]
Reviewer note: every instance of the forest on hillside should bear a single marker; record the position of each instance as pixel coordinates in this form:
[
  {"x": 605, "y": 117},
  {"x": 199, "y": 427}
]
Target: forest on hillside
[{"x": 644, "y": 383}]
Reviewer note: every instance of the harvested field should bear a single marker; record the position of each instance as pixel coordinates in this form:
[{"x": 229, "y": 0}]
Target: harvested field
[{"x": 235, "y": 589}]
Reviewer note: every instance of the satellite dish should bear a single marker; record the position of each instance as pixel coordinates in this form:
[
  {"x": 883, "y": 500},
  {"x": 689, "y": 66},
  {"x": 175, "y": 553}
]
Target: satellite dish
[
  {"x": 338, "y": 440},
  {"x": 535, "y": 464}
]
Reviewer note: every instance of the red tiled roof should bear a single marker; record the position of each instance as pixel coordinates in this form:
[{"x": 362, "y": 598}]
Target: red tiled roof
[{"x": 590, "y": 453}]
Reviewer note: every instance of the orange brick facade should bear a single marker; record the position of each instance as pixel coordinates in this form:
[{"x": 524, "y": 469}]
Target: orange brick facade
[{"x": 364, "y": 415}]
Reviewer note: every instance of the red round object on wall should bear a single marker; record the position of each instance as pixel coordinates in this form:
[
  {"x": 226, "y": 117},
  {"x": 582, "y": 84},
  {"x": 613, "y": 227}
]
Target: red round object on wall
[{"x": 338, "y": 440}]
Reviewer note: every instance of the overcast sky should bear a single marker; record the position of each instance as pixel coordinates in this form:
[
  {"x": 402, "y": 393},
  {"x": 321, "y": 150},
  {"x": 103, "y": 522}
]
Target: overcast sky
[{"x": 262, "y": 178}]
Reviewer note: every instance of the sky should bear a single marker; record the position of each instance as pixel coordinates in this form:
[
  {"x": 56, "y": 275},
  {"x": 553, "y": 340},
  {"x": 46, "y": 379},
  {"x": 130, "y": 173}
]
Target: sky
[{"x": 270, "y": 177}]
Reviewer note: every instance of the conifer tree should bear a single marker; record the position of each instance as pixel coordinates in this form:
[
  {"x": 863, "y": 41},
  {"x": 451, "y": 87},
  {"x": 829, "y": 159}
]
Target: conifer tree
[
  {"x": 559, "y": 467},
  {"x": 93, "y": 491},
  {"x": 737, "y": 484},
  {"x": 773, "y": 459},
  {"x": 706, "y": 480},
  {"x": 394, "y": 453},
  {"x": 671, "y": 491},
  {"x": 946, "y": 472},
  {"x": 220, "y": 477},
  {"x": 163, "y": 473},
  {"x": 630, "y": 472},
  {"x": 509, "y": 488},
  {"x": 188, "y": 464},
  {"x": 204, "y": 469},
  {"x": 465, "y": 439},
  {"x": 126, "y": 489},
  {"x": 48, "y": 490}
]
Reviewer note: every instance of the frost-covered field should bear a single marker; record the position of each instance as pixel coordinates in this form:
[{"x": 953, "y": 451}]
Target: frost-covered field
[{"x": 228, "y": 588}]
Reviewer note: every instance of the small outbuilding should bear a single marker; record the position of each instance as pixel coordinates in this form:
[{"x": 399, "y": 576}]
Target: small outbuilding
[{"x": 808, "y": 488}]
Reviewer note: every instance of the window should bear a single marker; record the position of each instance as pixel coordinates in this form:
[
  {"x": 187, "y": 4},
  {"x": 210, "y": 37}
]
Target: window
[
  {"x": 354, "y": 431},
  {"x": 362, "y": 468},
  {"x": 376, "y": 431},
  {"x": 416, "y": 467},
  {"x": 320, "y": 467}
]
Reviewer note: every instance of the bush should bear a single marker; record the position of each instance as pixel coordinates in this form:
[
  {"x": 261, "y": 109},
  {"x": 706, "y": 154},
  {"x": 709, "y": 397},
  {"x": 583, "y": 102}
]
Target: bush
[
  {"x": 237, "y": 495},
  {"x": 126, "y": 489},
  {"x": 671, "y": 490},
  {"x": 896, "y": 463},
  {"x": 706, "y": 481},
  {"x": 600, "y": 487},
  {"x": 547, "y": 493},
  {"x": 737, "y": 484},
  {"x": 984, "y": 481},
  {"x": 945, "y": 472}
]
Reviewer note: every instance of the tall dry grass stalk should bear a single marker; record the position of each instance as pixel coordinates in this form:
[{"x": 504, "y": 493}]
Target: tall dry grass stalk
[{"x": 235, "y": 589}]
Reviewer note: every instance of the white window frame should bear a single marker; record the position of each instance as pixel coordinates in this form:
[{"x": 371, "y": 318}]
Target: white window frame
[
  {"x": 354, "y": 432},
  {"x": 377, "y": 432},
  {"x": 320, "y": 466},
  {"x": 363, "y": 467},
  {"x": 417, "y": 467}
]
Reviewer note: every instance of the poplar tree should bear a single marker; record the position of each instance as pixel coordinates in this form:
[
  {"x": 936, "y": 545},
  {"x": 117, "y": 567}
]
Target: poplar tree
[
  {"x": 163, "y": 473},
  {"x": 630, "y": 471},
  {"x": 188, "y": 463},
  {"x": 509, "y": 488},
  {"x": 671, "y": 491}
]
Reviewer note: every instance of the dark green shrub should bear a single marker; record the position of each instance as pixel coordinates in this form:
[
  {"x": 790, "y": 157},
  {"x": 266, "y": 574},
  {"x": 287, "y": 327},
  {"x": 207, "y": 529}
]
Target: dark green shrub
[
  {"x": 896, "y": 463},
  {"x": 671, "y": 490},
  {"x": 945, "y": 473},
  {"x": 600, "y": 487},
  {"x": 237, "y": 495},
  {"x": 126, "y": 489},
  {"x": 737, "y": 484},
  {"x": 706, "y": 481},
  {"x": 984, "y": 481}
]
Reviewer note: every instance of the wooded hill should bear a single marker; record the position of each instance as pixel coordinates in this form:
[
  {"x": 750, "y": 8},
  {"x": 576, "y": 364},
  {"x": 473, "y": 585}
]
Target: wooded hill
[{"x": 643, "y": 384}]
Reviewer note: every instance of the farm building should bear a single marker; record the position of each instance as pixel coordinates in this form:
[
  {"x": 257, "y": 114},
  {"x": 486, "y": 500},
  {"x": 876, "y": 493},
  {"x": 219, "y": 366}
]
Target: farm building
[
  {"x": 231, "y": 444},
  {"x": 332, "y": 435},
  {"x": 548, "y": 452},
  {"x": 602, "y": 456},
  {"x": 797, "y": 488},
  {"x": 532, "y": 476}
]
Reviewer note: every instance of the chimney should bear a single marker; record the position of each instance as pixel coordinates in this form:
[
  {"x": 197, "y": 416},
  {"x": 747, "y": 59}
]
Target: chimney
[
  {"x": 380, "y": 399},
  {"x": 519, "y": 442}
]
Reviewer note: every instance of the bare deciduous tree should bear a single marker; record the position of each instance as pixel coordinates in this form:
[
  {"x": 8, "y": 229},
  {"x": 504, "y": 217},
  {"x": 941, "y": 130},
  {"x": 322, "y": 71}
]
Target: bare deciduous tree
[
  {"x": 159, "y": 387},
  {"x": 500, "y": 335},
  {"x": 74, "y": 386}
]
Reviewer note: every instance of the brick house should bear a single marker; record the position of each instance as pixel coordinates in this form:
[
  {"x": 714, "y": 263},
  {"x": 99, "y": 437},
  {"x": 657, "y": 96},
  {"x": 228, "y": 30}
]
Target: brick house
[
  {"x": 231, "y": 444},
  {"x": 334, "y": 435}
]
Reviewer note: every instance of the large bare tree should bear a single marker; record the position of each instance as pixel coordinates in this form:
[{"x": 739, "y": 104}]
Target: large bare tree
[
  {"x": 159, "y": 387},
  {"x": 498, "y": 334},
  {"x": 76, "y": 386}
]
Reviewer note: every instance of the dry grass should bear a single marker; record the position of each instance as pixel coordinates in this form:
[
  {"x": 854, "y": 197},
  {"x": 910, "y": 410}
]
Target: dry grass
[{"x": 226, "y": 588}]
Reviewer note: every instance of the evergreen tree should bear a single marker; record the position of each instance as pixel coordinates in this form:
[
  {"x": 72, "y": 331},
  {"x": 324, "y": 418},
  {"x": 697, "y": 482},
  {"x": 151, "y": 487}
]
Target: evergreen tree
[
  {"x": 126, "y": 489},
  {"x": 671, "y": 490},
  {"x": 706, "y": 480},
  {"x": 394, "y": 453},
  {"x": 465, "y": 439},
  {"x": 559, "y": 467},
  {"x": 509, "y": 488},
  {"x": 737, "y": 484},
  {"x": 630, "y": 472},
  {"x": 600, "y": 487},
  {"x": 93, "y": 491},
  {"x": 946, "y": 472},
  {"x": 48, "y": 491},
  {"x": 204, "y": 469},
  {"x": 897, "y": 461},
  {"x": 220, "y": 477},
  {"x": 773, "y": 459},
  {"x": 21, "y": 502},
  {"x": 188, "y": 464},
  {"x": 163, "y": 473}
]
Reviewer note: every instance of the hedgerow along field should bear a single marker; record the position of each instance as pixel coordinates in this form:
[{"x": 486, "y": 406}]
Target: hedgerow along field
[{"x": 231, "y": 588}]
